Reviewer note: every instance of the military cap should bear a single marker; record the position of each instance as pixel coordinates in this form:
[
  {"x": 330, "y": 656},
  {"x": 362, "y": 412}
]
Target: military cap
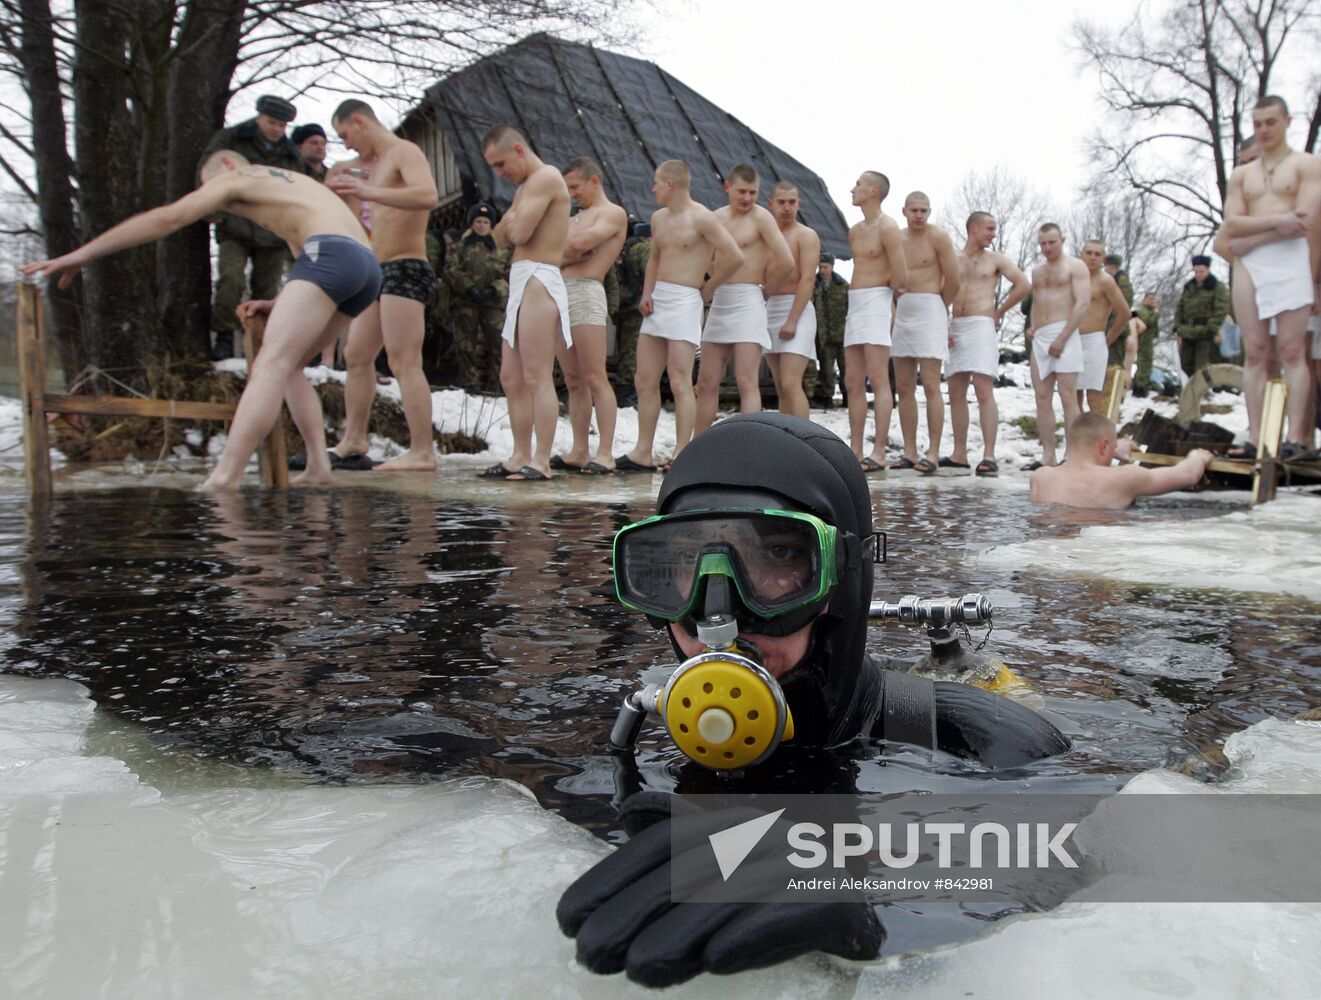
[
  {"x": 276, "y": 107},
  {"x": 1115, "y": 259},
  {"x": 1202, "y": 259},
  {"x": 479, "y": 211},
  {"x": 827, "y": 258},
  {"x": 302, "y": 133},
  {"x": 642, "y": 230}
]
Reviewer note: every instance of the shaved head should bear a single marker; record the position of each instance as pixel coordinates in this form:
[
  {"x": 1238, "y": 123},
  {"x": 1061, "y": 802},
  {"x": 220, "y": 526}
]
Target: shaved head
[
  {"x": 351, "y": 107},
  {"x": 784, "y": 186},
  {"x": 743, "y": 172},
  {"x": 877, "y": 180},
  {"x": 1090, "y": 429},
  {"x": 917, "y": 196},
  {"x": 502, "y": 137},
  {"x": 584, "y": 166},
  {"x": 977, "y": 218},
  {"x": 215, "y": 163},
  {"x": 676, "y": 172}
]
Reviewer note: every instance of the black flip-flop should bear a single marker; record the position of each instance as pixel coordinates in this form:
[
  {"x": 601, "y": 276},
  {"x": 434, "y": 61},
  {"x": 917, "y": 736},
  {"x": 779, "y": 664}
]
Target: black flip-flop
[
  {"x": 1245, "y": 452},
  {"x": 297, "y": 462},
  {"x": 870, "y": 465},
  {"x": 355, "y": 462},
  {"x": 527, "y": 474},
  {"x": 558, "y": 463},
  {"x": 497, "y": 471},
  {"x": 903, "y": 462},
  {"x": 988, "y": 467},
  {"x": 1034, "y": 466},
  {"x": 625, "y": 464},
  {"x": 925, "y": 466},
  {"x": 949, "y": 463},
  {"x": 597, "y": 469}
]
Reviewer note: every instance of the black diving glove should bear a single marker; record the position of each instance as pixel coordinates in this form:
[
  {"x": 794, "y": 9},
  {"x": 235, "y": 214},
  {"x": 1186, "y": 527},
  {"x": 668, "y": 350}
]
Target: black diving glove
[{"x": 622, "y": 915}]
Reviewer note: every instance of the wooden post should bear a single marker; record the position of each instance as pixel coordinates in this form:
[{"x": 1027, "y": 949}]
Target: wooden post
[
  {"x": 1267, "y": 475},
  {"x": 1114, "y": 390},
  {"x": 272, "y": 456},
  {"x": 32, "y": 386}
]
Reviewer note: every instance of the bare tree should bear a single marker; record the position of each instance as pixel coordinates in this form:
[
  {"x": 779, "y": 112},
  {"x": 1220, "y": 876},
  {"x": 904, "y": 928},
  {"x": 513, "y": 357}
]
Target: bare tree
[
  {"x": 1178, "y": 80},
  {"x": 146, "y": 83}
]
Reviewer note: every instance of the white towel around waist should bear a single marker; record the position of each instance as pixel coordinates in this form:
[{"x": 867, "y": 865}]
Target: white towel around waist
[
  {"x": 737, "y": 316},
  {"x": 921, "y": 327},
  {"x": 1281, "y": 276},
  {"x": 868, "y": 319},
  {"x": 976, "y": 346},
  {"x": 1095, "y": 359},
  {"x": 1069, "y": 361},
  {"x": 676, "y": 313},
  {"x": 551, "y": 280},
  {"x": 803, "y": 341}
]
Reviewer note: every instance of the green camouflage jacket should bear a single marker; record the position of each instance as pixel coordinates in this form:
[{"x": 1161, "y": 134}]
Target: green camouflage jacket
[
  {"x": 471, "y": 263},
  {"x": 632, "y": 268},
  {"x": 831, "y": 300},
  {"x": 1201, "y": 309}
]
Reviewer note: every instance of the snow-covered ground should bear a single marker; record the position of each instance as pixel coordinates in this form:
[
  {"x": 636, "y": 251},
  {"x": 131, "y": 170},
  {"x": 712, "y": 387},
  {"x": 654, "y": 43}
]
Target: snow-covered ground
[{"x": 488, "y": 417}]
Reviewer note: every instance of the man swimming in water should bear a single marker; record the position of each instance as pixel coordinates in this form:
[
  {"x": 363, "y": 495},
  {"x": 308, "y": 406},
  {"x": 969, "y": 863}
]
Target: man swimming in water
[
  {"x": 334, "y": 278},
  {"x": 1089, "y": 479}
]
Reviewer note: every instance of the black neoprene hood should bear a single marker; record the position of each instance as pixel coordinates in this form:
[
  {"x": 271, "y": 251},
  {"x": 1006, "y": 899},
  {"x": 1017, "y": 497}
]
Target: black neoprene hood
[{"x": 818, "y": 473}]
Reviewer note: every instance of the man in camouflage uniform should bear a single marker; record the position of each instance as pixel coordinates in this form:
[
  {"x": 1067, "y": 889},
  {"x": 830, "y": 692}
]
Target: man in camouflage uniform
[
  {"x": 632, "y": 271},
  {"x": 1202, "y": 308},
  {"x": 262, "y": 141},
  {"x": 831, "y": 299},
  {"x": 1149, "y": 313},
  {"x": 477, "y": 276},
  {"x": 1114, "y": 267}
]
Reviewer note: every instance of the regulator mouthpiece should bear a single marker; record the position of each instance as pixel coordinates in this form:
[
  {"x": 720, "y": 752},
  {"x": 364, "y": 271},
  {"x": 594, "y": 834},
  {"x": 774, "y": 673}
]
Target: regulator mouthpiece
[{"x": 725, "y": 711}]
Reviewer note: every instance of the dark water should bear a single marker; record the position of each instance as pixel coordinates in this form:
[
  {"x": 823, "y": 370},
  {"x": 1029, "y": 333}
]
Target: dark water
[{"x": 365, "y": 635}]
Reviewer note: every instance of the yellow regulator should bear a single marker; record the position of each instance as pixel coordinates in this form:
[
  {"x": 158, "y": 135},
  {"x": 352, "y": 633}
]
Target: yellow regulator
[{"x": 722, "y": 708}]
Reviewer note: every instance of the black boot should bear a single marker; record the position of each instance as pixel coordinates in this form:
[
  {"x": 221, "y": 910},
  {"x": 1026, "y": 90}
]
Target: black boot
[{"x": 224, "y": 349}]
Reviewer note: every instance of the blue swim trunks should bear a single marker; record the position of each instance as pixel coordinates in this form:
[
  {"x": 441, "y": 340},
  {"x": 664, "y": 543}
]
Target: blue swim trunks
[{"x": 342, "y": 268}]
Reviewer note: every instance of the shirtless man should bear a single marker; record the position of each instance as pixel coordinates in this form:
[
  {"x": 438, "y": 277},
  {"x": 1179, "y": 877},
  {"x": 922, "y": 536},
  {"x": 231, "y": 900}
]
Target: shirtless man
[
  {"x": 334, "y": 279},
  {"x": 537, "y": 226},
  {"x": 1106, "y": 302},
  {"x": 596, "y": 234},
  {"x": 790, "y": 314},
  {"x": 736, "y": 323},
  {"x": 921, "y": 329},
  {"x": 1270, "y": 213},
  {"x": 685, "y": 235},
  {"x": 402, "y": 193},
  {"x": 1089, "y": 480},
  {"x": 1061, "y": 292},
  {"x": 879, "y": 271},
  {"x": 974, "y": 344}
]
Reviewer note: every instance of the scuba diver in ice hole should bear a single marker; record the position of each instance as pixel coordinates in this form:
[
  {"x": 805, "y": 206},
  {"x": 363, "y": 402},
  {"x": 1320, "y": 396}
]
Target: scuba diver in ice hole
[{"x": 760, "y": 564}]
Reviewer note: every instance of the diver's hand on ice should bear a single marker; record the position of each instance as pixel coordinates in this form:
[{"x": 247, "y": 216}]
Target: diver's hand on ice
[{"x": 622, "y": 915}]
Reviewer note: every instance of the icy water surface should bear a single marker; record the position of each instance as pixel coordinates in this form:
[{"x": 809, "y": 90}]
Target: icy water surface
[
  {"x": 371, "y": 636},
  {"x": 365, "y": 634}
]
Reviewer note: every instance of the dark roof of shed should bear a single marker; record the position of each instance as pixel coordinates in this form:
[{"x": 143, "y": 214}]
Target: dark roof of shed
[{"x": 627, "y": 114}]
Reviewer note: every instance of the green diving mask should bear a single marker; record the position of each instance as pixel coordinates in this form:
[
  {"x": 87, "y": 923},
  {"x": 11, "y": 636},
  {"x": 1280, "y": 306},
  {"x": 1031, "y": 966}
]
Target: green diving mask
[{"x": 777, "y": 560}]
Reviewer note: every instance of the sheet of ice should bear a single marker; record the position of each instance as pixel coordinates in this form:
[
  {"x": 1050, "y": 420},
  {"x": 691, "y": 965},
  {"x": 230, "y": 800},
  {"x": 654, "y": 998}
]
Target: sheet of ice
[
  {"x": 1106, "y": 950},
  {"x": 1273, "y": 548},
  {"x": 112, "y": 888}
]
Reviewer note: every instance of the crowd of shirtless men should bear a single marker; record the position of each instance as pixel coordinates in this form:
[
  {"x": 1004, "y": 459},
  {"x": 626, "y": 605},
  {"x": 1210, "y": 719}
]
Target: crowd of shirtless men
[{"x": 915, "y": 301}]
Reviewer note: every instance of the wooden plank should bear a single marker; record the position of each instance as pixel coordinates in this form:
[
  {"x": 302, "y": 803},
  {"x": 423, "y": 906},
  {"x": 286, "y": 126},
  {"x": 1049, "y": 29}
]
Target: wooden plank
[
  {"x": 1216, "y": 465},
  {"x": 1116, "y": 384},
  {"x": 1268, "y": 448},
  {"x": 132, "y": 406},
  {"x": 32, "y": 382},
  {"x": 272, "y": 457}
]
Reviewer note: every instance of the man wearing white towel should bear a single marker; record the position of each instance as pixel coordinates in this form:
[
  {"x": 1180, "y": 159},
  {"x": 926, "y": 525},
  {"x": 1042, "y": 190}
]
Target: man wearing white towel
[
  {"x": 921, "y": 329},
  {"x": 879, "y": 271},
  {"x": 1271, "y": 210},
  {"x": 790, "y": 314},
  {"x": 684, "y": 237},
  {"x": 1061, "y": 290},
  {"x": 537, "y": 313},
  {"x": 736, "y": 323},
  {"x": 1105, "y": 304},
  {"x": 974, "y": 343}
]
